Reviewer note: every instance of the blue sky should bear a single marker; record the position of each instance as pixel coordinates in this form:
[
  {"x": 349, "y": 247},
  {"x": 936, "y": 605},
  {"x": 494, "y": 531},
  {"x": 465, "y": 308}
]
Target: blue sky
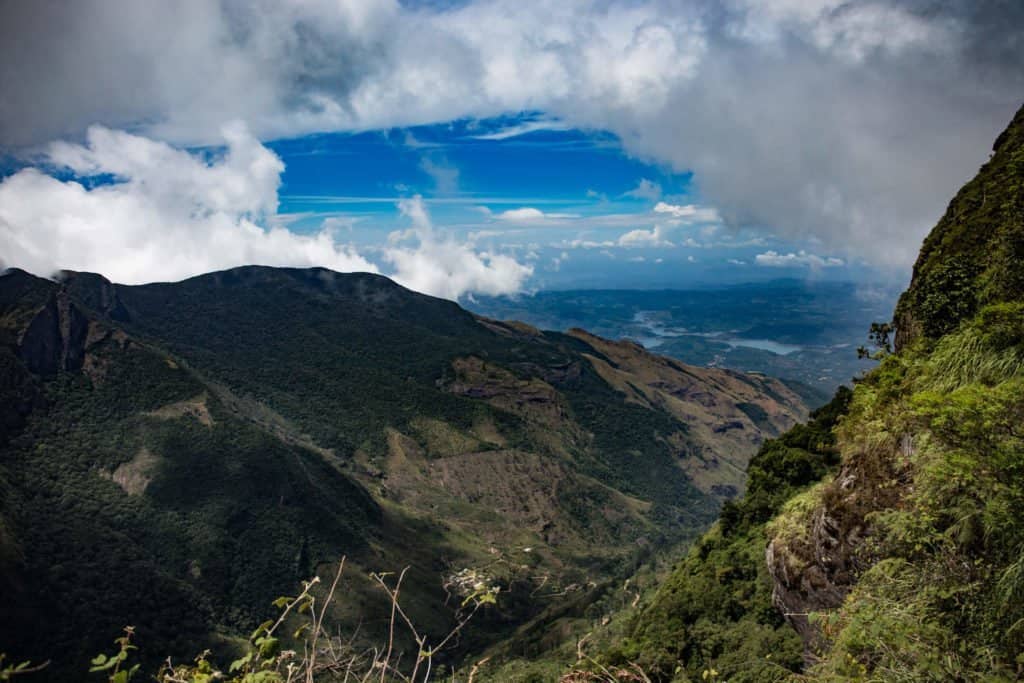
[{"x": 590, "y": 191}]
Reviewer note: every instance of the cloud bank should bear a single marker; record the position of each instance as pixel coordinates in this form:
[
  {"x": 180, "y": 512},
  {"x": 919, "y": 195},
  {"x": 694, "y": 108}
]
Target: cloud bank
[
  {"x": 168, "y": 214},
  {"x": 851, "y": 121}
]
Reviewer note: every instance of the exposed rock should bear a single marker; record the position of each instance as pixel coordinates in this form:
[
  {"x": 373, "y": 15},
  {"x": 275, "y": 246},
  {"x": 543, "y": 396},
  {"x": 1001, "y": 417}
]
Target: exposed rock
[
  {"x": 717, "y": 406},
  {"x": 817, "y": 548},
  {"x": 56, "y": 337},
  {"x": 533, "y": 399}
]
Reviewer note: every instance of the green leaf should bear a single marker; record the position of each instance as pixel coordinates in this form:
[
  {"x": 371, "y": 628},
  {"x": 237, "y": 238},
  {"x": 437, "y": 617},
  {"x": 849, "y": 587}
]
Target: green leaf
[
  {"x": 239, "y": 663},
  {"x": 262, "y": 628},
  {"x": 268, "y": 647}
]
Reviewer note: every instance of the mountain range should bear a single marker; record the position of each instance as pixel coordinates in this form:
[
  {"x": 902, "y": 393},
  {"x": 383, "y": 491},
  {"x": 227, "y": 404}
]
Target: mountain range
[{"x": 175, "y": 456}]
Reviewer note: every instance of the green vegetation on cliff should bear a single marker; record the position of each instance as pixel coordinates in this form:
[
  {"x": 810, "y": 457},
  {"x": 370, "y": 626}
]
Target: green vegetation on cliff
[{"x": 933, "y": 480}]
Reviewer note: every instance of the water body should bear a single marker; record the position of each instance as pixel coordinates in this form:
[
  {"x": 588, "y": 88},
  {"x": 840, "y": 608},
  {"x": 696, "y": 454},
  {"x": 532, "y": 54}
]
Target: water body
[
  {"x": 764, "y": 345},
  {"x": 657, "y": 332}
]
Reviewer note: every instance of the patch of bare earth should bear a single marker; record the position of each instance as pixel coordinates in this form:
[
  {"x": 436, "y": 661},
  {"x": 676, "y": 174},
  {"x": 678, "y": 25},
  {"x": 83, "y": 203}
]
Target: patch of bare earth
[
  {"x": 136, "y": 474},
  {"x": 194, "y": 408}
]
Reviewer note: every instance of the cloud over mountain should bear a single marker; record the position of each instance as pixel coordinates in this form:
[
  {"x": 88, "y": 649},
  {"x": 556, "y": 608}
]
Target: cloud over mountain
[
  {"x": 167, "y": 215},
  {"x": 802, "y": 258},
  {"x": 139, "y": 210},
  {"x": 445, "y": 267}
]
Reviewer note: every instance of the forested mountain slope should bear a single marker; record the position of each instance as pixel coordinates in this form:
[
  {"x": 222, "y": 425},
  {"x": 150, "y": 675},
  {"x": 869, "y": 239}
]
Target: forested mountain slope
[{"x": 175, "y": 456}]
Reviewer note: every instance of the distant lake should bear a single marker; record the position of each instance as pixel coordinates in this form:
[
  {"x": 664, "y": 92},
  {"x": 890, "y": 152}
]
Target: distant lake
[
  {"x": 658, "y": 332},
  {"x": 765, "y": 345}
]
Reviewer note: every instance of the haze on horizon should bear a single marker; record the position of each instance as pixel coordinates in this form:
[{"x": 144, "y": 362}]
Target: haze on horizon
[{"x": 493, "y": 147}]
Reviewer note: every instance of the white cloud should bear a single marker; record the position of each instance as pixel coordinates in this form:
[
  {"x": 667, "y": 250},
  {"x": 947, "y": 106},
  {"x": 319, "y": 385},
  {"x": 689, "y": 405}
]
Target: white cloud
[
  {"x": 169, "y": 215},
  {"x": 524, "y": 128},
  {"x": 526, "y": 214},
  {"x": 737, "y": 262},
  {"x": 580, "y": 243},
  {"x": 655, "y": 237},
  {"x": 444, "y": 175},
  {"x": 645, "y": 189},
  {"x": 333, "y": 224},
  {"x": 446, "y": 268},
  {"x": 851, "y": 120},
  {"x": 529, "y": 214},
  {"x": 689, "y": 213},
  {"x": 802, "y": 258}
]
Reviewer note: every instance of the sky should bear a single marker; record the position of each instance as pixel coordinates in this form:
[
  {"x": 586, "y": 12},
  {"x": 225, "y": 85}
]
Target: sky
[{"x": 496, "y": 146}]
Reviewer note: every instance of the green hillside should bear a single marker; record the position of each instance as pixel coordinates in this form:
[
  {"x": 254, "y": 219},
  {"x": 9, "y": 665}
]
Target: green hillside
[{"x": 176, "y": 456}]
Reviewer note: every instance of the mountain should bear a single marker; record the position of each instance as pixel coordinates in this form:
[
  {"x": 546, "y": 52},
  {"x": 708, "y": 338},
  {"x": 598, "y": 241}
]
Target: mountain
[
  {"x": 883, "y": 540},
  {"x": 175, "y": 456}
]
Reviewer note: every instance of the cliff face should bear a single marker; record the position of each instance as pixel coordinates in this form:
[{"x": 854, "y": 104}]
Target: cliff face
[
  {"x": 882, "y": 540},
  {"x": 816, "y": 548},
  {"x": 55, "y": 339},
  {"x": 42, "y": 332}
]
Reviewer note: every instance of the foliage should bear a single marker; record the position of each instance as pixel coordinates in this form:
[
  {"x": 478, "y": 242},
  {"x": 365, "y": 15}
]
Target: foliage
[
  {"x": 299, "y": 646},
  {"x": 11, "y": 671},
  {"x": 116, "y": 666},
  {"x": 942, "y": 602},
  {"x": 879, "y": 337}
]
